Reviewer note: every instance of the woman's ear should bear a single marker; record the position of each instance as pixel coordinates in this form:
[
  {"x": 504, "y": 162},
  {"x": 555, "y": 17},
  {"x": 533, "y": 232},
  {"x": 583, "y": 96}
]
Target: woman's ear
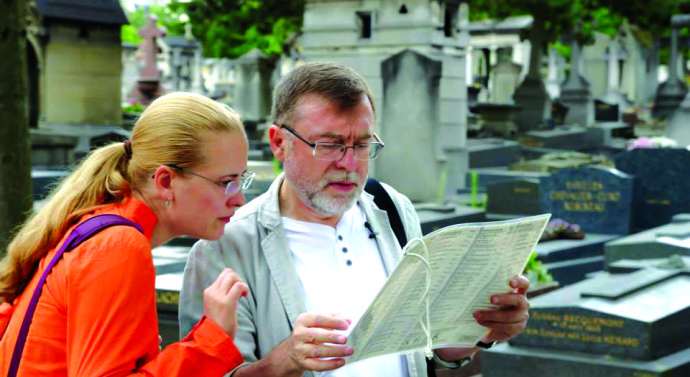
[{"x": 163, "y": 179}]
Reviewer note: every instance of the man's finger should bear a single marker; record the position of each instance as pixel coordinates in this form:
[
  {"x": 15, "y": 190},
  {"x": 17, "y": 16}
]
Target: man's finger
[
  {"x": 502, "y": 316},
  {"x": 511, "y": 300},
  {"x": 521, "y": 283},
  {"x": 322, "y": 350},
  {"x": 323, "y": 321},
  {"x": 321, "y": 365},
  {"x": 318, "y": 335}
]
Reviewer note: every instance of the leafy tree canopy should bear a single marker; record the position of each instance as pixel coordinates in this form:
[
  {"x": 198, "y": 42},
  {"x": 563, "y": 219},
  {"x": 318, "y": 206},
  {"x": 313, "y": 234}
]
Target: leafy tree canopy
[
  {"x": 563, "y": 17},
  {"x": 231, "y": 28},
  {"x": 171, "y": 18}
]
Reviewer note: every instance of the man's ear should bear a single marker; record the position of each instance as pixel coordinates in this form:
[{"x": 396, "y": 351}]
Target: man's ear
[{"x": 278, "y": 142}]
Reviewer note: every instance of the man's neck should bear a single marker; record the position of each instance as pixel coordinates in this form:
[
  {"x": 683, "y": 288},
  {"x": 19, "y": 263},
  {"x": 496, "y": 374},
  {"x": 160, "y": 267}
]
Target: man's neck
[{"x": 291, "y": 206}]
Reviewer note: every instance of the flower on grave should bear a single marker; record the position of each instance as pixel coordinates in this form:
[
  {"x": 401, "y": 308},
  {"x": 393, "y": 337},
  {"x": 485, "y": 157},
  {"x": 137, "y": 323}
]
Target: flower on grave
[{"x": 654, "y": 142}]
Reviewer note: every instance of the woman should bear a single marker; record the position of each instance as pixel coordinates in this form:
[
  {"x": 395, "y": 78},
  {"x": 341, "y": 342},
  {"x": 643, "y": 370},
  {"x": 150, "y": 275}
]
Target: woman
[{"x": 181, "y": 174}]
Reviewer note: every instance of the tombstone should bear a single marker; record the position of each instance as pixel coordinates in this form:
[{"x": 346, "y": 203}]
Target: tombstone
[
  {"x": 613, "y": 93},
  {"x": 488, "y": 152},
  {"x": 606, "y": 112},
  {"x": 595, "y": 64},
  {"x": 553, "y": 83},
  {"x": 74, "y": 61},
  {"x": 661, "y": 242},
  {"x": 662, "y": 185},
  {"x": 672, "y": 92},
  {"x": 149, "y": 82},
  {"x": 610, "y": 325},
  {"x": 514, "y": 197},
  {"x": 575, "y": 93},
  {"x": 411, "y": 81},
  {"x": 497, "y": 119},
  {"x": 182, "y": 58},
  {"x": 506, "y": 77},
  {"x": 531, "y": 95},
  {"x": 254, "y": 91},
  {"x": 596, "y": 198},
  {"x": 434, "y": 217}
]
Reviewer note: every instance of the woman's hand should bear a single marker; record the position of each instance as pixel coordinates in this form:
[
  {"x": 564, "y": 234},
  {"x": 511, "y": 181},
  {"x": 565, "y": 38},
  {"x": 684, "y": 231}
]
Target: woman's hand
[{"x": 220, "y": 300}]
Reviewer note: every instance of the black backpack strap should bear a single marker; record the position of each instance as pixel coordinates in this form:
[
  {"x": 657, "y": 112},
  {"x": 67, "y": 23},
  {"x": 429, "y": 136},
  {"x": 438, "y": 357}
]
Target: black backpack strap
[{"x": 384, "y": 202}]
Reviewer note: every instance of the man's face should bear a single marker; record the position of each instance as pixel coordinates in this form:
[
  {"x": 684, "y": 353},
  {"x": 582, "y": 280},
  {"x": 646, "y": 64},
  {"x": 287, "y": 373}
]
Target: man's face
[{"x": 328, "y": 187}]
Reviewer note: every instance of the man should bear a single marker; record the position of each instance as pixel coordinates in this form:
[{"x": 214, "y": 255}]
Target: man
[{"x": 315, "y": 249}]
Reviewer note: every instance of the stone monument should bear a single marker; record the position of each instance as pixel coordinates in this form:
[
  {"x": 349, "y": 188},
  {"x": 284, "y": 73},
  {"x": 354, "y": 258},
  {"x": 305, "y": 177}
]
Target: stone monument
[{"x": 672, "y": 92}]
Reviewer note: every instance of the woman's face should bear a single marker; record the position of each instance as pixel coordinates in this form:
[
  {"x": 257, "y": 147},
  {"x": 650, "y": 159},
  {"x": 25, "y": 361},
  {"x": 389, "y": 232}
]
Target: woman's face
[{"x": 201, "y": 207}]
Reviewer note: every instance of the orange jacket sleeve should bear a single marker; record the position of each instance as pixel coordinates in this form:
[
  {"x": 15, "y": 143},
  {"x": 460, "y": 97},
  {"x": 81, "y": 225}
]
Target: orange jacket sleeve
[{"x": 112, "y": 327}]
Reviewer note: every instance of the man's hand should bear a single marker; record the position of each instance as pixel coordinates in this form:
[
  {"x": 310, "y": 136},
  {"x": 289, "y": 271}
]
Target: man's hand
[
  {"x": 511, "y": 318},
  {"x": 306, "y": 348}
]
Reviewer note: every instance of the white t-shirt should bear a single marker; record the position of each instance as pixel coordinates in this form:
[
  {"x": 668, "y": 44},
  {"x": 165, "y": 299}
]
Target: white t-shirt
[{"x": 341, "y": 271}]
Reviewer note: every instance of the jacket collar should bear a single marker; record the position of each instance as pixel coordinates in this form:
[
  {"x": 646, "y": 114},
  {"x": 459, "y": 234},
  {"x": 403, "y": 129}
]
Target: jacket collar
[{"x": 279, "y": 257}]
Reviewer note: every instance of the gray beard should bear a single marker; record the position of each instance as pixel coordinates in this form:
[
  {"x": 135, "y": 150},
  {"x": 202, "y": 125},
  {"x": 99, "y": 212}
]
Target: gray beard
[{"x": 313, "y": 194}]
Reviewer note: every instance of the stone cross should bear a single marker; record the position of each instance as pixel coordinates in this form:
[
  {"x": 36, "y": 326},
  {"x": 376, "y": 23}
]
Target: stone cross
[{"x": 150, "y": 48}]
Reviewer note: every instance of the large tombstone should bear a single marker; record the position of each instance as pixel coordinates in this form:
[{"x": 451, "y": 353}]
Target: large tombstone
[
  {"x": 613, "y": 93},
  {"x": 506, "y": 77},
  {"x": 79, "y": 63},
  {"x": 678, "y": 126},
  {"x": 662, "y": 184},
  {"x": 610, "y": 325},
  {"x": 598, "y": 199},
  {"x": 671, "y": 93},
  {"x": 362, "y": 35},
  {"x": 595, "y": 64},
  {"x": 253, "y": 90},
  {"x": 575, "y": 93},
  {"x": 411, "y": 82}
]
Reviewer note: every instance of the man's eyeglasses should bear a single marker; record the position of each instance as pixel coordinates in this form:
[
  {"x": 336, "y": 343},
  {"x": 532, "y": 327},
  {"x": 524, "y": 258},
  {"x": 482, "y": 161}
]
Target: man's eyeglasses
[
  {"x": 336, "y": 151},
  {"x": 231, "y": 186}
]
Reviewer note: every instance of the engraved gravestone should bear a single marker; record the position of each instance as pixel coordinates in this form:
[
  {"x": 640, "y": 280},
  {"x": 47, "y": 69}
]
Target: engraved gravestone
[
  {"x": 598, "y": 199},
  {"x": 514, "y": 197},
  {"x": 610, "y": 325},
  {"x": 661, "y": 184}
]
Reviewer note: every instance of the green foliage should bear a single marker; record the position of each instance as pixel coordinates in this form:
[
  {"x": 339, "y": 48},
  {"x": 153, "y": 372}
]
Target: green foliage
[
  {"x": 584, "y": 16},
  {"x": 231, "y": 28},
  {"x": 535, "y": 267},
  {"x": 133, "y": 108},
  {"x": 171, "y": 17}
]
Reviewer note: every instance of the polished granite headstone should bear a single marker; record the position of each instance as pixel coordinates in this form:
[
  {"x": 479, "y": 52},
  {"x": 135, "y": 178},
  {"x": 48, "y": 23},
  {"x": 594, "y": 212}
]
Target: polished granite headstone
[
  {"x": 514, "y": 197},
  {"x": 598, "y": 199},
  {"x": 660, "y": 242},
  {"x": 662, "y": 184},
  {"x": 610, "y": 325},
  {"x": 434, "y": 217}
]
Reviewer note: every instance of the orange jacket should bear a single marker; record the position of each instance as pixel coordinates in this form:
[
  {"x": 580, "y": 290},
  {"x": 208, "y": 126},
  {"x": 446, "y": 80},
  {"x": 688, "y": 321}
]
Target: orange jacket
[{"x": 97, "y": 313}]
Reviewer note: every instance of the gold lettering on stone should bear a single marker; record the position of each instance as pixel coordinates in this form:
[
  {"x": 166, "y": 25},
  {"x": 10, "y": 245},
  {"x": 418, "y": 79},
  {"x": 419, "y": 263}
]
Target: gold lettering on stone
[{"x": 166, "y": 297}]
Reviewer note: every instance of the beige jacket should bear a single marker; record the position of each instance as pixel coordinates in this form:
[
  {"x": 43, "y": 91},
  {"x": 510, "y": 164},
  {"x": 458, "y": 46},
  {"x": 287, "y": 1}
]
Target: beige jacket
[{"x": 255, "y": 246}]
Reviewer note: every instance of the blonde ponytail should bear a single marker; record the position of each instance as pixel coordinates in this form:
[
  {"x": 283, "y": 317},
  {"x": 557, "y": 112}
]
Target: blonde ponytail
[{"x": 170, "y": 131}]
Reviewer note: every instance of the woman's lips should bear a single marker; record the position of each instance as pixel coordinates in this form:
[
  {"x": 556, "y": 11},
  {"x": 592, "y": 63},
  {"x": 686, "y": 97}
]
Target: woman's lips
[{"x": 225, "y": 219}]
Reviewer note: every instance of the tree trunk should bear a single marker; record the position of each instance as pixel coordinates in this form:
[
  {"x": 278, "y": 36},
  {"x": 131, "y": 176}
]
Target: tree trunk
[{"x": 15, "y": 151}]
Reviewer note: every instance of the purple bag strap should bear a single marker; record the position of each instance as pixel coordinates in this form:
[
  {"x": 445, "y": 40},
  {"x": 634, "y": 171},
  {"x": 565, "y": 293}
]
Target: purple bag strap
[{"x": 81, "y": 233}]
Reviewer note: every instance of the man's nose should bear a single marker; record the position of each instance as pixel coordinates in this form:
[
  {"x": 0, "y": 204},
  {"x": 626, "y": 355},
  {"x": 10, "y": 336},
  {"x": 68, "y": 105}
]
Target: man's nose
[{"x": 348, "y": 161}]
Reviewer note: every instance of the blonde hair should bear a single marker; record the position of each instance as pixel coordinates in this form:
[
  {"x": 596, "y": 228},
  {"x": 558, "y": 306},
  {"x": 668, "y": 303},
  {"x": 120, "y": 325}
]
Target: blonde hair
[{"x": 171, "y": 130}]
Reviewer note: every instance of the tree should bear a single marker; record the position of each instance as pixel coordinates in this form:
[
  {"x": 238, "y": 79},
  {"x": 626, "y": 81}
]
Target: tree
[
  {"x": 15, "y": 150},
  {"x": 231, "y": 28},
  {"x": 171, "y": 17}
]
